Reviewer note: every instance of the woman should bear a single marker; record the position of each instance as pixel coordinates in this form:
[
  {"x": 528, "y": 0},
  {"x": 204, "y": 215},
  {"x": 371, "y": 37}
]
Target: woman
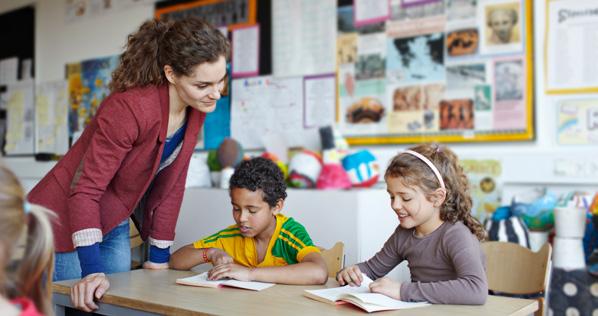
[{"x": 133, "y": 157}]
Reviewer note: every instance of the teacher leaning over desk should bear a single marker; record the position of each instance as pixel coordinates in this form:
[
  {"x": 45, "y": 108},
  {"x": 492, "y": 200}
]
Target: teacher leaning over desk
[{"x": 134, "y": 155}]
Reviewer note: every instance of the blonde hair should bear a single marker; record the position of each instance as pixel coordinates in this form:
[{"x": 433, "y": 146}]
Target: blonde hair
[
  {"x": 32, "y": 278},
  {"x": 415, "y": 172}
]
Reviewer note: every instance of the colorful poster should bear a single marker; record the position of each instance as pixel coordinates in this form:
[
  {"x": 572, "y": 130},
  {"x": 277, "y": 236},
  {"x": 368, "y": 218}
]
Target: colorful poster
[
  {"x": 578, "y": 122},
  {"x": 485, "y": 185},
  {"x": 88, "y": 86}
]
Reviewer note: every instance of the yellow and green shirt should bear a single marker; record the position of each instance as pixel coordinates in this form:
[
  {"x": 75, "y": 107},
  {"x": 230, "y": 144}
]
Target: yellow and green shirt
[{"x": 290, "y": 243}]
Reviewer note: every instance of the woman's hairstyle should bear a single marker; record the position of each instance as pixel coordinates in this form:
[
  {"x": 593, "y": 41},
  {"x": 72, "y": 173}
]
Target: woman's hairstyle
[
  {"x": 263, "y": 174},
  {"x": 413, "y": 171},
  {"x": 181, "y": 44},
  {"x": 32, "y": 278}
]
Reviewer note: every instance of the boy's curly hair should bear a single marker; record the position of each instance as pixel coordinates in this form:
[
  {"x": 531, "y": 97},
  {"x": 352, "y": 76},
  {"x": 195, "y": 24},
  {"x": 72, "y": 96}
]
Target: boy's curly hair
[{"x": 260, "y": 174}]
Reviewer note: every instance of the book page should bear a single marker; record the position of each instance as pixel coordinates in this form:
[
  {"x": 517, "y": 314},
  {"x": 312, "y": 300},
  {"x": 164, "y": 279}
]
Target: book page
[
  {"x": 336, "y": 293},
  {"x": 383, "y": 300},
  {"x": 202, "y": 280}
]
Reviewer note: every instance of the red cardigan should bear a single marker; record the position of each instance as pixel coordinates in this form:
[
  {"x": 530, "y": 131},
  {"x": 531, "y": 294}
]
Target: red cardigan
[{"x": 101, "y": 179}]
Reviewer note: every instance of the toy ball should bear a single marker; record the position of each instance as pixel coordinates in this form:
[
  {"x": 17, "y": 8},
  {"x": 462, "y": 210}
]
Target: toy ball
[
  {"x": 229, "y": 153},
  {"x": 304, "y": 169},
  {"x": 283, "y": 167},
  {"x": 362, "y": 168},
  {"x": 333, "y": 176}
]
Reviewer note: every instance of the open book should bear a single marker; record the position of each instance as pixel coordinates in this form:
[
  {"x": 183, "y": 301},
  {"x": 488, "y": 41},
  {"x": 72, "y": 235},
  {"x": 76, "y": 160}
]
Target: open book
[
  {"x": 202, "y": 281},
  {"x": 360, "y": 297}
]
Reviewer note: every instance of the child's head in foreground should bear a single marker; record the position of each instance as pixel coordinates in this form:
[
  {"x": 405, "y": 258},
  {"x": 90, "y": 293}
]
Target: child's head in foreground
[
  {"x": 427, "y": 187},
  {"x": 257, "y": 191},
  {"x": 31, "y": 279}
]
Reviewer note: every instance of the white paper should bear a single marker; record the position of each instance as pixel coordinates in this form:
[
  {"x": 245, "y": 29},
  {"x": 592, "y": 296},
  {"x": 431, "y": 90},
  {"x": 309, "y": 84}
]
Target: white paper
[
  {"x": 335, "y": 293},
  {"x": 246, "y": 51},
  {"x": 371, "y": 11},
  {"x": 9, "y": 70},
  {"x": 320, "y": 101},
  {"x": 264, "y": 105},
  {"x": 202, "y": 279},
  {"x": 572, "y": 42},
  {"x": 51, "y": 125},
  {"x": 303, "y": 37},
  {"x": 20, "y": 117}
]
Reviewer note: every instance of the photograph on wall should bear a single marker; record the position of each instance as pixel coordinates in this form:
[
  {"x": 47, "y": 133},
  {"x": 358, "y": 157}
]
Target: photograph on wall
[
  {"x": 346, "y": 23},
  {"x": 509, "y": 94},
  {"x": 346, "y": 46},
  {"x": 456, "y": 114},
  {"x": 371, "y": 56},
  {"x": 415, "y": 9},
  {"x": 501, "y": 24},
  {"x": 416, "y": 59},
  {"x": 465, "y": 76},
  {"x": 462, "y": 42},
  {"x": 577, "y": 122},
  {"x": 460, "y": 9}
]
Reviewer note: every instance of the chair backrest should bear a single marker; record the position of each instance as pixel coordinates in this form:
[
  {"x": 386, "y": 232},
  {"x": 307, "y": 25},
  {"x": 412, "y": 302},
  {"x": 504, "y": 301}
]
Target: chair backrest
[
  {"x": 514, "y": 269},
  {"x": 134, "y": 235},
  {"x": 334, "y": 258}
]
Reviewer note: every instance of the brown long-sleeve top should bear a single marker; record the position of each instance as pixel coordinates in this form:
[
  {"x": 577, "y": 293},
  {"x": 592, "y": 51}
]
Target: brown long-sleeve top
[{"x": 447, "y": 266}]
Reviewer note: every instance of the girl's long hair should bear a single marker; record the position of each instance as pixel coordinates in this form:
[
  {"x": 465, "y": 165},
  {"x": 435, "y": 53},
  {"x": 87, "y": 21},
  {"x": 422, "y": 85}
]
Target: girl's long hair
[
  {"x": 413, "y": 171},
  {"x": 35, "y": 252}
]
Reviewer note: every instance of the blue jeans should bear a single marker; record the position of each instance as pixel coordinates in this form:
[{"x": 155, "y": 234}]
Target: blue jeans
[{"x": 115, "y": 254}]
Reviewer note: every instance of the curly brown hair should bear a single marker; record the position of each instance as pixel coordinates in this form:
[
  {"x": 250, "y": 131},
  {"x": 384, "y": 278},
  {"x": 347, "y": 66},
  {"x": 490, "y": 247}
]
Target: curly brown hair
[
  {"x": 181, "y": 44},
  {"x": 414, "y": 172}
]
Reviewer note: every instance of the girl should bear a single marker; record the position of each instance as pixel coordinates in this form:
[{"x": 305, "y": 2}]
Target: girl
[
  {"x": 436, "y": 234},
  {"x": 29, "y": 290},
  {"x": 133, "y": 157}
]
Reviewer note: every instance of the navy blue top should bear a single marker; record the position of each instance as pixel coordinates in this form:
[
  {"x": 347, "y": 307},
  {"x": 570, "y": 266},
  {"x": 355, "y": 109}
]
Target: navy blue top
[{"x": 172, "y": 142}]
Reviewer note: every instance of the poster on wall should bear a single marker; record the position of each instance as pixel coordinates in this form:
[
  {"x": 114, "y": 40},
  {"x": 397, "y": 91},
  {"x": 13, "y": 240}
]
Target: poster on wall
[
  {"x": 230, "y": 13},
  {"x": 88, "y": 83},
  {"x": 51, "y": 123},
  {"x": 76, "y": 10},
  {"x": 20, "y": 112},
  {"x": 577, "y": 122},
  {"x": 432, "y": 73},
  {"x": 485, "y": 184},
  {"x": 571, "y": 46}
]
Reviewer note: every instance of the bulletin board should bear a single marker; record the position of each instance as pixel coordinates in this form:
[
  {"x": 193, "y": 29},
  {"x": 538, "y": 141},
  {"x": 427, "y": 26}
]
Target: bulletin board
[{"x": 436, "y": 72}]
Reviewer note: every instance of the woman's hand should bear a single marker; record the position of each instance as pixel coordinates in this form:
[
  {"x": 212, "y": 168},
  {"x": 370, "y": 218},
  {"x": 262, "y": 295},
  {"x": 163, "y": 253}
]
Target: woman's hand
[
  {"x": 387, "y": 287},
  {"x": 155, "y": 266},
  {"x": 91, "y": 287},
  {"x": 230, "y": 270},
  {"x": 350, "y": 275},
  {"x": 218, "y": 257}
]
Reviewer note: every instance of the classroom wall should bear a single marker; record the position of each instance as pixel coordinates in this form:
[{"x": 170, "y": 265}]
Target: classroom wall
[{"x": 538, "y": 162}]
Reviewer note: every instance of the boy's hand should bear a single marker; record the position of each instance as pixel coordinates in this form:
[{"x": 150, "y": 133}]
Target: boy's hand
[
  {"x": 350, "y": 275},
  {"x": 230, "y": 270},
  {"x": 219, "y": 257},
  {"x": 387, "y": 287}
]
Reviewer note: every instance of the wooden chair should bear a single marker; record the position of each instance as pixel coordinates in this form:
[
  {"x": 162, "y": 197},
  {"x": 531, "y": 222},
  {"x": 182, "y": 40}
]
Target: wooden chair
[
  {"x": 513, "y": 269},
  {"x": 136, "y": 241},
  {"x": 334, "y": 258}
]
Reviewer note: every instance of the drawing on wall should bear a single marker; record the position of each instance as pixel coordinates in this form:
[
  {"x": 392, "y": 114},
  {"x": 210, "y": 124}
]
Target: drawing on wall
[
  {"x": 509, "y": 80},
  {"x": 417, "y": 59}
]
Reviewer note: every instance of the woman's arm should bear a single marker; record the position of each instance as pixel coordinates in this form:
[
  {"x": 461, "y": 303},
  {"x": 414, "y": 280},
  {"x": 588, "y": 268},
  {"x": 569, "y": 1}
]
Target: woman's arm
[{"x": 312, "y": 270}]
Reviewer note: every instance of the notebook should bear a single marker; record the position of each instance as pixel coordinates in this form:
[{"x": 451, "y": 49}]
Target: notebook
[
  {"x": 201, "y": 280},
  {"x": 360, "y": 297}
]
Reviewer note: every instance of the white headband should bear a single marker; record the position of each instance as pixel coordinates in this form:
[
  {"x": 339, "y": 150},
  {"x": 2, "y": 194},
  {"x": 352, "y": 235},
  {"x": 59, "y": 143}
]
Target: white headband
[{"x": 429, "y": 163}]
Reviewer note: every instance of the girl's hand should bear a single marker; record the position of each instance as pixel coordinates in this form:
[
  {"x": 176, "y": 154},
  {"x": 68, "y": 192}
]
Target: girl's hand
[
  {"x": 350, "y": 275},
  {"x": 155, "y": 266},
  {"x": 218, "y": 257},
  {"x": 88, "y": 289},
  {"x": 230, "y": 270},
  {"x": 387, "y": 287}
]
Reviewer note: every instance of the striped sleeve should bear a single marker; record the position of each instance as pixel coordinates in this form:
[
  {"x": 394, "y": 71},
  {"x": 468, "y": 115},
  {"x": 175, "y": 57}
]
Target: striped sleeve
[
  {"x": 293, "y": 242},
  {"x": 216, "y": 240}
]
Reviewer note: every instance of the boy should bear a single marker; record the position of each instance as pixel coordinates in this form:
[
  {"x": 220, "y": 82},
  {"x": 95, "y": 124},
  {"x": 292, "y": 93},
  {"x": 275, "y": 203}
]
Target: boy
[{"x": 263, "y": 245}]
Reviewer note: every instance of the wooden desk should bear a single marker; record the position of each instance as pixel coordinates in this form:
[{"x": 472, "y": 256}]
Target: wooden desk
[{"x": 145, "y": 292}]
